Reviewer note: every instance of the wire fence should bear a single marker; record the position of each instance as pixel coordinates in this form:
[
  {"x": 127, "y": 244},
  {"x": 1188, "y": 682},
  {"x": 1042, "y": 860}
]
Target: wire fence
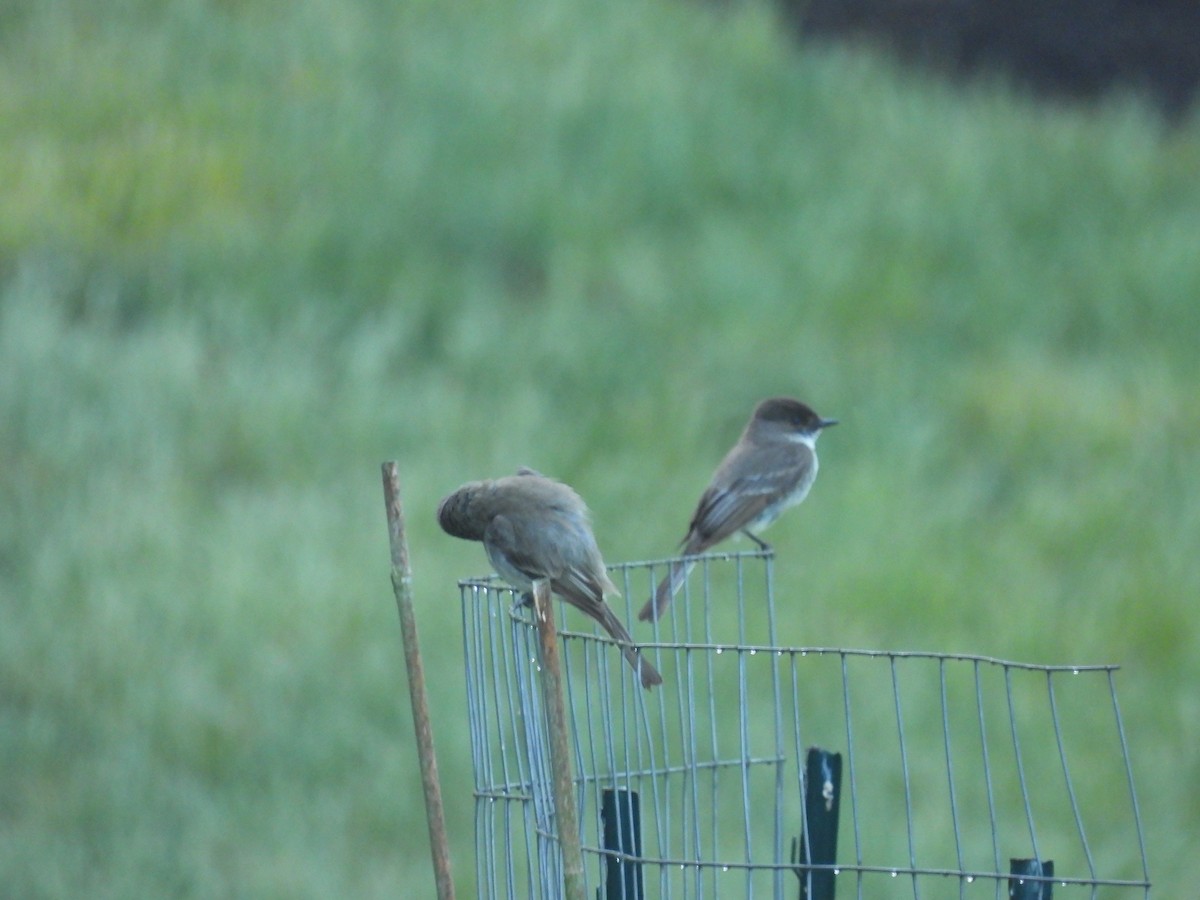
[{"x": 760, "y": 769}]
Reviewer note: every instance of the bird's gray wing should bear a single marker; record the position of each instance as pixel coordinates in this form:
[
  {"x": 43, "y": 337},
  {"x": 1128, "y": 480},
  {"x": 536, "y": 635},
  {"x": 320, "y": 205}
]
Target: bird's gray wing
[
  {"x": 552, "y": 546},
  {"x": 725, "y": 509},
  {"x": 514, "y": 549},
  {"x": 581, "y": 569}
]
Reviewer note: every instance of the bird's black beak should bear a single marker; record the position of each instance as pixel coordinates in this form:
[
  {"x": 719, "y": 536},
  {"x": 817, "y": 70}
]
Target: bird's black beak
[{"x": 825, "y": 423}]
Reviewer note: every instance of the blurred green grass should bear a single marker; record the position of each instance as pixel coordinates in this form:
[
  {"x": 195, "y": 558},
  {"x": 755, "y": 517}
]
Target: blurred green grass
[{"x": 249, "y": 250}]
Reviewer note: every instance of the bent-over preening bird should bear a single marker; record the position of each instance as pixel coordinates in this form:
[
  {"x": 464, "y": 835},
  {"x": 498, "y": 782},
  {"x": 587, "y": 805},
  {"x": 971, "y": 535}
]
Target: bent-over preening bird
[
  {"x": 535, "y": 527},
  {"x": 770, "y": 468}
]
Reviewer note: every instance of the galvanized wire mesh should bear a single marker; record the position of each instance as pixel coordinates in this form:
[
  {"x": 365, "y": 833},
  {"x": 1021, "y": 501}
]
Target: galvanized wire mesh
[{"x": 952, "y": 764}]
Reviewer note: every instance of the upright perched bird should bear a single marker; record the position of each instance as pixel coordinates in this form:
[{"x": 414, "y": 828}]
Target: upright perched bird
[
  {"x": 535, "y": 527},
  {"x": 770, "y": 468}
]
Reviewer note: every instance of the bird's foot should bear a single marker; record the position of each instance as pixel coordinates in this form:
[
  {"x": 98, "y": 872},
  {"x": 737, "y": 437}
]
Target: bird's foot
[{"x": 762, "y": 545}]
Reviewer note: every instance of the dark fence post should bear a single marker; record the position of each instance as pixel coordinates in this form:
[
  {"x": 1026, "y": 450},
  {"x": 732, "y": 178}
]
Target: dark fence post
[
  {"x": 621, "y": 821},
  {"x": 1021, "y": 887},
  {"x": 818, "y": 841}
]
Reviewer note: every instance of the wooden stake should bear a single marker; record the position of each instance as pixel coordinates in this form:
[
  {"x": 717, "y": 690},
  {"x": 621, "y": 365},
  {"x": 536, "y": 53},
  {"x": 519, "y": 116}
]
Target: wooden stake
[
  {"x": 566, "y": 819},
  {"x": 402, "y": 586}
]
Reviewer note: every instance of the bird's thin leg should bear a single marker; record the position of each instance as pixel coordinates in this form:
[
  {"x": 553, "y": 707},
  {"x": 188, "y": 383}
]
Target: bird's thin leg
[{"x": 762, "y": 545}]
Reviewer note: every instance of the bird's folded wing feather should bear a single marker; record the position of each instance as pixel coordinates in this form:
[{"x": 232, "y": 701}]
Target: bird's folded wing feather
[
  {"x": 723, "y": 511},
  {"x": 529, "y": 551}
]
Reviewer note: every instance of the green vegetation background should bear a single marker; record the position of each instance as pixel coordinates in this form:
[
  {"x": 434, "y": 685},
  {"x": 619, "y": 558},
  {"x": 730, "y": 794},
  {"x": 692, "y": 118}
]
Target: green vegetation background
[{"x": 250, "y": 249}]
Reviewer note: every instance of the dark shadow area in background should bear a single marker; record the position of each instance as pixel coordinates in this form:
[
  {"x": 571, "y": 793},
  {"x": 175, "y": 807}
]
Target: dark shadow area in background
[{"x": 1058, "y": 48}]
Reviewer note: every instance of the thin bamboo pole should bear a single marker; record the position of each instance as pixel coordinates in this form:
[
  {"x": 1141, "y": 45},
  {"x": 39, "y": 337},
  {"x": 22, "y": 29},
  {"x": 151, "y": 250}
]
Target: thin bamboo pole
[{"x": 402, "y": 586}]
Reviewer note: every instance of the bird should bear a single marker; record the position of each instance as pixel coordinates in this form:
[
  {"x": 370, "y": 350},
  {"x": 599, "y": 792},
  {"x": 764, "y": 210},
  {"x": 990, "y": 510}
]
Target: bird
[
  {"x": 533, "y": 527},
  {"x": 771, "y": 467}
]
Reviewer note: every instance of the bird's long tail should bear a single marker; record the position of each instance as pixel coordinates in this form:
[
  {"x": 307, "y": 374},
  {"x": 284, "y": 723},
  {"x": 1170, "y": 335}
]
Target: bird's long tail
[
  {"x": 602, "y": 613},
  {"x": 667, "y": 588}
]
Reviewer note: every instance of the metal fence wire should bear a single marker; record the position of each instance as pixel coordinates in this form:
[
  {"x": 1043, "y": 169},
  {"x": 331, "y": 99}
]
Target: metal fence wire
[{"x": 946, "y": 768}]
